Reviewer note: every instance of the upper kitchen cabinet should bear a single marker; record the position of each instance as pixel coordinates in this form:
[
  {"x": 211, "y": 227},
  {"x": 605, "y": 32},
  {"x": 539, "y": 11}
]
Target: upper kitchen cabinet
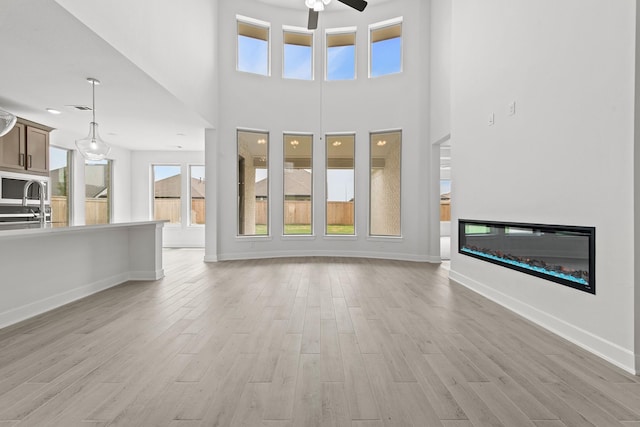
[{"x": 26, "y": 148}]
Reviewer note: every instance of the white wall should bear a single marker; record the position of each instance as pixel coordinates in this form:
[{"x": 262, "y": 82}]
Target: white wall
[
  {"x": 121, "y": 196},
  {"x": 566, "y": 157},
  {"x": 173, "y": 42},
  {"x": 174, "y": 235},
  {"x": 360, "y": 106}
]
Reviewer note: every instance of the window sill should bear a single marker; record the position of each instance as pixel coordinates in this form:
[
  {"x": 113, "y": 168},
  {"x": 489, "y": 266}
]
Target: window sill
[
  {"x": 340, "y": 237},
  {"x": 253, "y": 238},
  {"x": 390, "y": 239},
  {"x": 298, "y": 237}
]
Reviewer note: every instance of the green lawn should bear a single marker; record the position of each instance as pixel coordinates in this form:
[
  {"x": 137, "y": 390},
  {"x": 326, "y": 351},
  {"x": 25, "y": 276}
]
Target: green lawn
[
  {"x": 340, "y": 229},
  {"x": 261, "y": 229},
  {"x": 476, "y": 229}
]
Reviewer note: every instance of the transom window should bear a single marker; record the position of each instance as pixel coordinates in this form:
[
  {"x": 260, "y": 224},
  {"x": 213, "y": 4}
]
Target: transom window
[
  {"x": 385, "y": 50},
  {"x": 341, "y": 54},
  {"x": 298, "y": 54},
  {"x": 253, "y": 46}
]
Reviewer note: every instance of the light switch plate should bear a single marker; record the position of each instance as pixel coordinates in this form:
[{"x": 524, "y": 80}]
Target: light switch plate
[
  {"x": 492, "y": 119},
  {"x": 512, "y": 108}
]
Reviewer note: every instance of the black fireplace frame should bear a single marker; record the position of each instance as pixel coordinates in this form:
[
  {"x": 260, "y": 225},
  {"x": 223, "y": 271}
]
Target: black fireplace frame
[{"x": 589, "y": 232}]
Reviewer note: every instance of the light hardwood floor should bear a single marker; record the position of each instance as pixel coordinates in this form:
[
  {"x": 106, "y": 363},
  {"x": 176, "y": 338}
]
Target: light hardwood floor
[{"x": 301, "y": 342}]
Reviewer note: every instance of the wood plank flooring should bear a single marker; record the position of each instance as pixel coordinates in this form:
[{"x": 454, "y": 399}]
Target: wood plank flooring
[{"x": 301, "y": 342}]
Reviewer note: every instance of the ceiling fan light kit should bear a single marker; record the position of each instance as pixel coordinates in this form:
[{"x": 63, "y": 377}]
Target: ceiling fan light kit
[{"x": 317, "y": 6}]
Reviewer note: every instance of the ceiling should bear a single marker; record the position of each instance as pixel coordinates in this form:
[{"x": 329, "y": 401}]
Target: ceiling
[{"x": 47, "y": 56}]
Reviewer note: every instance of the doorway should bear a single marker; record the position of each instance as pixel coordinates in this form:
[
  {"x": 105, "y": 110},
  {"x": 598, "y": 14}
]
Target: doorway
[
  {"x": 240, "y": 195},
  {"x": 445, "y": 201}
]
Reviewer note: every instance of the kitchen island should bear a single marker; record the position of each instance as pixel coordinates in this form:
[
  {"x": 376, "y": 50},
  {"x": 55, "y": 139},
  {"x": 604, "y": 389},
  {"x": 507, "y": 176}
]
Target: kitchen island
[{"x": 44, "y": 268}]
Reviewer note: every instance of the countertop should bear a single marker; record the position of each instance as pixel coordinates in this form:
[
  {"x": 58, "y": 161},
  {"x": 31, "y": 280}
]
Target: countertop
[{"x": 48, "y": 229}]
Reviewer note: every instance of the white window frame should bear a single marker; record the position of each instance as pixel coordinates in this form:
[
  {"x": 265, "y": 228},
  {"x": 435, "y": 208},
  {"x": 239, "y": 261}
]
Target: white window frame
[
  {"x": 256, "y": 23},
  {"x": 152, "y": 193},
  {"x": 379, "y": 25},
  {"x": 337, "y": 31},
  {"x": 189, "y": 166},
  {"x": 302, "y": 31}
]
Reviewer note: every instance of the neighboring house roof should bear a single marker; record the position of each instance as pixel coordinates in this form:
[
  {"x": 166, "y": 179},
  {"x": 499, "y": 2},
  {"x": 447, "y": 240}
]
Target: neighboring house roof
[
  {"x": 94, "y": 191},
  {"x": 170, "y": 188},
  {"x": 297, "y": 183},
  {"x": 445, "y": 196},
  {"x": 57, "y": 178}
]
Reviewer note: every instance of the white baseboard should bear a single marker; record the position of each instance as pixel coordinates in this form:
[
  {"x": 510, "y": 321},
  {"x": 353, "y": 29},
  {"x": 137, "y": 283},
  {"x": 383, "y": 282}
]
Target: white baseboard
[
  {"x": 316, "y": 253},
  {"x": 611, "y": 352},
  {"x": 35, "y": 308},
  {"x": 146, "y": 275},
  {"x": 210, "y": 258}
]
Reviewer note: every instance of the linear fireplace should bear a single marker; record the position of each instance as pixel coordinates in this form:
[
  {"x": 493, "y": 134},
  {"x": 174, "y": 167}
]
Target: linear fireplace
[{"x": 561, "y": 253}]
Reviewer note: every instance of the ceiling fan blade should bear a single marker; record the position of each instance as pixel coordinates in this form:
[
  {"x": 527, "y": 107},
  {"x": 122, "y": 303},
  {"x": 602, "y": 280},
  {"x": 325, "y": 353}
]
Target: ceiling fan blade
[
  {"x": 356, "y": 4},
  {"x": 313, "y": 19}
]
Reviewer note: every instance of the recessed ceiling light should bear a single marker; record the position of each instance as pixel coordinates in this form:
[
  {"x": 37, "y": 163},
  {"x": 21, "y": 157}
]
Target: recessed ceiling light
[
  {"x": 112, "y": 134},
  {"x": 53, "y": 111},
  {"x": 178, "y": 146},
  {"x": 180, "y": 134}
]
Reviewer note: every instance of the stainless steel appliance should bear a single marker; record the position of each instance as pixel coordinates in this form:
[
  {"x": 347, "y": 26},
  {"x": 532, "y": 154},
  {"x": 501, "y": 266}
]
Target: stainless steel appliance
[
  {"x": 12, "y": 187},
  {"x": 24, "y": 201}
]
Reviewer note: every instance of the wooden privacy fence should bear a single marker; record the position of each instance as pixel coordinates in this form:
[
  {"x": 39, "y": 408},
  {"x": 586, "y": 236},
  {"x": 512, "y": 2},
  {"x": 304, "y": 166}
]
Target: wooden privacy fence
[
  {"x": 445, "y": 210},
  {"x": 299, "y": 212},
  {"x": 169, "y": 209},
  {"x": 96, "y": 211}
]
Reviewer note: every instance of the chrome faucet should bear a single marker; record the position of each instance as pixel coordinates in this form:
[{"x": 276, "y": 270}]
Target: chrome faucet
[{"x": 43, "y": 190}]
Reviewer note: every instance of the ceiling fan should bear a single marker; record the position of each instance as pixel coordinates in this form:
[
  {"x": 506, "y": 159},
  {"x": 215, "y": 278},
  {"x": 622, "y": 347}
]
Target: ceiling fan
[{"x": 316, "y": 6}]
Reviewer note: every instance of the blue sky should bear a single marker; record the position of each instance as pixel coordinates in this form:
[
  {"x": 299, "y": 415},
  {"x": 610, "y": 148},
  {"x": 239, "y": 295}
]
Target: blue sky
[
  {"x": 164, "y": 171},
  {"x": 57, "y": 158},
  {"x": 253, "y": 55},
  {"x": 341, "y": 63},
  {"x": 386, "y": 57},
  {"x": 297, "y": 62}
]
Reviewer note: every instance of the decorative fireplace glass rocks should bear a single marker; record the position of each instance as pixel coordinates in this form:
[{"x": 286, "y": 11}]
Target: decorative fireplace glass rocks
[{"x": 560, "y": 253}]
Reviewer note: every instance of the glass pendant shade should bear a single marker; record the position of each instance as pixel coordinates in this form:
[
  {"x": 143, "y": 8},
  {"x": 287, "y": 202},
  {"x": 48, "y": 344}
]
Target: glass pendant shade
[
  {"x": 7, "y": 122},
  {"x": 93, "y": 147}
]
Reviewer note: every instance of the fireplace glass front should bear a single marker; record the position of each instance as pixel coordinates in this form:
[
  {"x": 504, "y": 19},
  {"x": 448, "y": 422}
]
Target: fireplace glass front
[{"x": 562, "y": 254}]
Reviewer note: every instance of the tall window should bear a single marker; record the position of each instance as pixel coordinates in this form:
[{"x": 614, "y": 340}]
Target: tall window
[
  {"x": 298, "y": 184},
  {"x": 197, "y": 195},
  {"x": 98, "y": 194},
  {"x": 253, "y": 183},
  {"x": 341, "y": 54},
  {"x": 384, "y": 185},
  {"x": 340, "y": 211},
  {"x": 386, "y": 48},
  {"x": 167, "y": 193},
  {"x": 298, "y": 54},
  {"x": 60, "y": 175},
  {"x": 253, "y": 46}
]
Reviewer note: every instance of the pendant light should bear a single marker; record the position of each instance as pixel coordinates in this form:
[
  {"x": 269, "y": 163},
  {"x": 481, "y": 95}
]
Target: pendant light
[
  {"x": 93, "y": 147},
  {"x": 7, "y": 121}
]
